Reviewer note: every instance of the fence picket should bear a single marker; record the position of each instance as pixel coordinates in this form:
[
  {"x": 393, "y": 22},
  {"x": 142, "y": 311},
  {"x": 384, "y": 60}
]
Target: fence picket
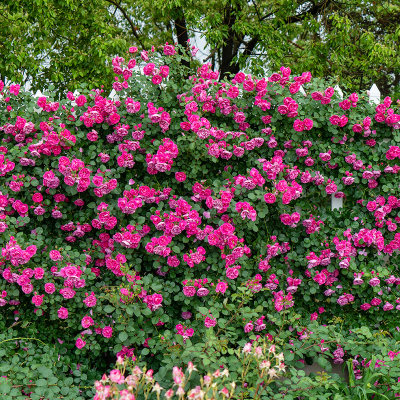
[
  {"x": 336, "y": 203},
  {"x": 339, "y": 91},
  {"x": 38, "y": 94},
  {"x": 374, "y": 95},
  {"x": 113, "y": 95}
]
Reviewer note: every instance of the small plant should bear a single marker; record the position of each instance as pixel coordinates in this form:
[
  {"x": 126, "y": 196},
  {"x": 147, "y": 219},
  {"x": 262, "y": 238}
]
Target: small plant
[{"x": 258, "y": 365}]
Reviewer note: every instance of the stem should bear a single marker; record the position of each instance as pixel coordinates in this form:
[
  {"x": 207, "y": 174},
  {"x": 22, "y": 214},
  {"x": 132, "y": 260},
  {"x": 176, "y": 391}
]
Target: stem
[
  {"x": 266, "y": 383},
  {"x": 258, "y": 386},
  {"x": 22, "y": 338},
  {"x": 245, "y": 370},
  {"x": 232, "y": 318}
]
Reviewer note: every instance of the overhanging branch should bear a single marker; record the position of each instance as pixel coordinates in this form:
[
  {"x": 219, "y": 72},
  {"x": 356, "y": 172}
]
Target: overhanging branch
[{"x": 130, "y": 22}]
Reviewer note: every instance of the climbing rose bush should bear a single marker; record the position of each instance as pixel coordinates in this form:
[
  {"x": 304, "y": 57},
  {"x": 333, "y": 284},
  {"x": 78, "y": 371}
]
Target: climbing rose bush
[{"x": 183, "y": 216}]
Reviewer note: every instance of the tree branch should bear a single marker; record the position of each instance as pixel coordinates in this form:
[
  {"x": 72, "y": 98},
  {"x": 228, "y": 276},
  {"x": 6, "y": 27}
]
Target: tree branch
[
  {"x": 211, "y": 54},
  {"x": 295, "y": 44},
  {"x": 314, "y": 10},
  {"x": 250, "y": 46},
  {"x": 130, "y": 22}
]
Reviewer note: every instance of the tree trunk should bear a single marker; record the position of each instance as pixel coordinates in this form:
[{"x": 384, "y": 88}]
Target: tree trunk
[
  {"x": 230, "y": 49},
  {"x": 227, "y": 49},
  {"x": 181, "y": 32},
  {"x": 229, "y": 67}
]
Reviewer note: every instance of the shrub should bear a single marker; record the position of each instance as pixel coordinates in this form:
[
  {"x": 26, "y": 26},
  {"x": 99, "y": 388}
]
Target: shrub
[{"x": 186, "y": 216}]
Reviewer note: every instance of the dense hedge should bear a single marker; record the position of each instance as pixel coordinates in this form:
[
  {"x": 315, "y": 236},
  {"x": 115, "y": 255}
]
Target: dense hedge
[{"x": 185, "y": 216}]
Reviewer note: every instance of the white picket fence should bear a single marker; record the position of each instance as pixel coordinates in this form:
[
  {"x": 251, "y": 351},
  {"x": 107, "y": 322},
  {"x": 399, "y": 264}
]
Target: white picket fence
[{"x": 374, "y": 97}]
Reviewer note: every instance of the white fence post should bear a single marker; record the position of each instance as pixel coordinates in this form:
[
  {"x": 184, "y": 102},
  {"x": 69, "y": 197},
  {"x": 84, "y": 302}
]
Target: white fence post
[
  {"x": 37, "y": 95},
  {"x": 337, "y": 203},
  {"x": 374, "y": 95},
  {"x": 339, "y": 91},
  {"x": 113, "y": 95}
]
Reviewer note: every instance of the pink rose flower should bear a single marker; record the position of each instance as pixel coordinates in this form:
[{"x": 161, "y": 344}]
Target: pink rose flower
[
  {"x": 269, "y": 198},
  {"x": 248, "y": 327},
  {"x": 107, "y": 331},
  {"x": 62, "y": 313},
  {"x": 189, "y": 291},
  {"x": 221, "y": 287},
  {"x": 80, "y": 343},
  {"x": 37, "y": 198},
  {"x": 156, "y": 80},
  {"x": 298, "y": 125},
  {"x": 180, "y": 176},
  {"x": 87, "y": 321}
]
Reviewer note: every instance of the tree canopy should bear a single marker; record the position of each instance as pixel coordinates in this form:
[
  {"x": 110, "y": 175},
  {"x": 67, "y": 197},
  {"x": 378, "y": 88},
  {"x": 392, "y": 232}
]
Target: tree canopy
[{"x": 355, "y": 41}]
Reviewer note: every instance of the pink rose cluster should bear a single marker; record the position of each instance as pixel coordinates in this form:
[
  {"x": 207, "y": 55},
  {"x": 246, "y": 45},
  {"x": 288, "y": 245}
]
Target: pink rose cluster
[
  {"x": 130, "y": 237},
  {"x": 303, "y": 125},
  {"x": 153, "y": 301},
  {"x": 195, "y": 257},
  {"x": 386, "y": 114},
  {"x": 235, "y": 133},
  {"x": 14, "y": 253},
  {"x": 197, "y": 287},
  {"x": 162, "y": 161},
  {"x": 273, "y": 250},
  {"x": 159, "y": 246},
  {"x": 74, "y": 171},
  {"x": 103, "y": 187},
  {"x": 283, "y": 301},
  {"x": 157, "y": 74},
  {"x": 246, "y": 210},
  {"x": 181, "y": 218},
  {"x": 312, "y": 225},
  {"x": 289, "y": 107},
  {"x": 184, "y": 331},
  {"x": 290, "y": 220},
  {"x": 6, "y": 165},
  {"x": 159, "y": 116},
  {"x": 324, "y": 97}
]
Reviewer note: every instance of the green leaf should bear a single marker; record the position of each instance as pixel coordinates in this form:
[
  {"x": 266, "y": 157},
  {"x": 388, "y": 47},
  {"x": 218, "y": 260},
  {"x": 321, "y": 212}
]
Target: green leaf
[
  {"x": 45, "y": 372},
  {"x": 123, "y": 336},
  {"x": 5, "y": 387},
  {"x": 41, "y": 382},
  {"x": 108, "y": 309},
  {"x": 203, "y": 310}
]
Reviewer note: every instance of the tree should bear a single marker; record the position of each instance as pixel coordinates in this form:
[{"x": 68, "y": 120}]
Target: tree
[
  {"x": 54, "y": 41},
  {"x": 355, "y": 41}
]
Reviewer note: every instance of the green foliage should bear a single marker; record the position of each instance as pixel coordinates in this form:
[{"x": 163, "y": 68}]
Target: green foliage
[
  {"x": 28, "y": 366},
  {"x": 374, "y": 371},
  {"x": 67, "y": 42},
  {"x": 251, "y": 370},
  {"x": 60, "y": 42}
]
